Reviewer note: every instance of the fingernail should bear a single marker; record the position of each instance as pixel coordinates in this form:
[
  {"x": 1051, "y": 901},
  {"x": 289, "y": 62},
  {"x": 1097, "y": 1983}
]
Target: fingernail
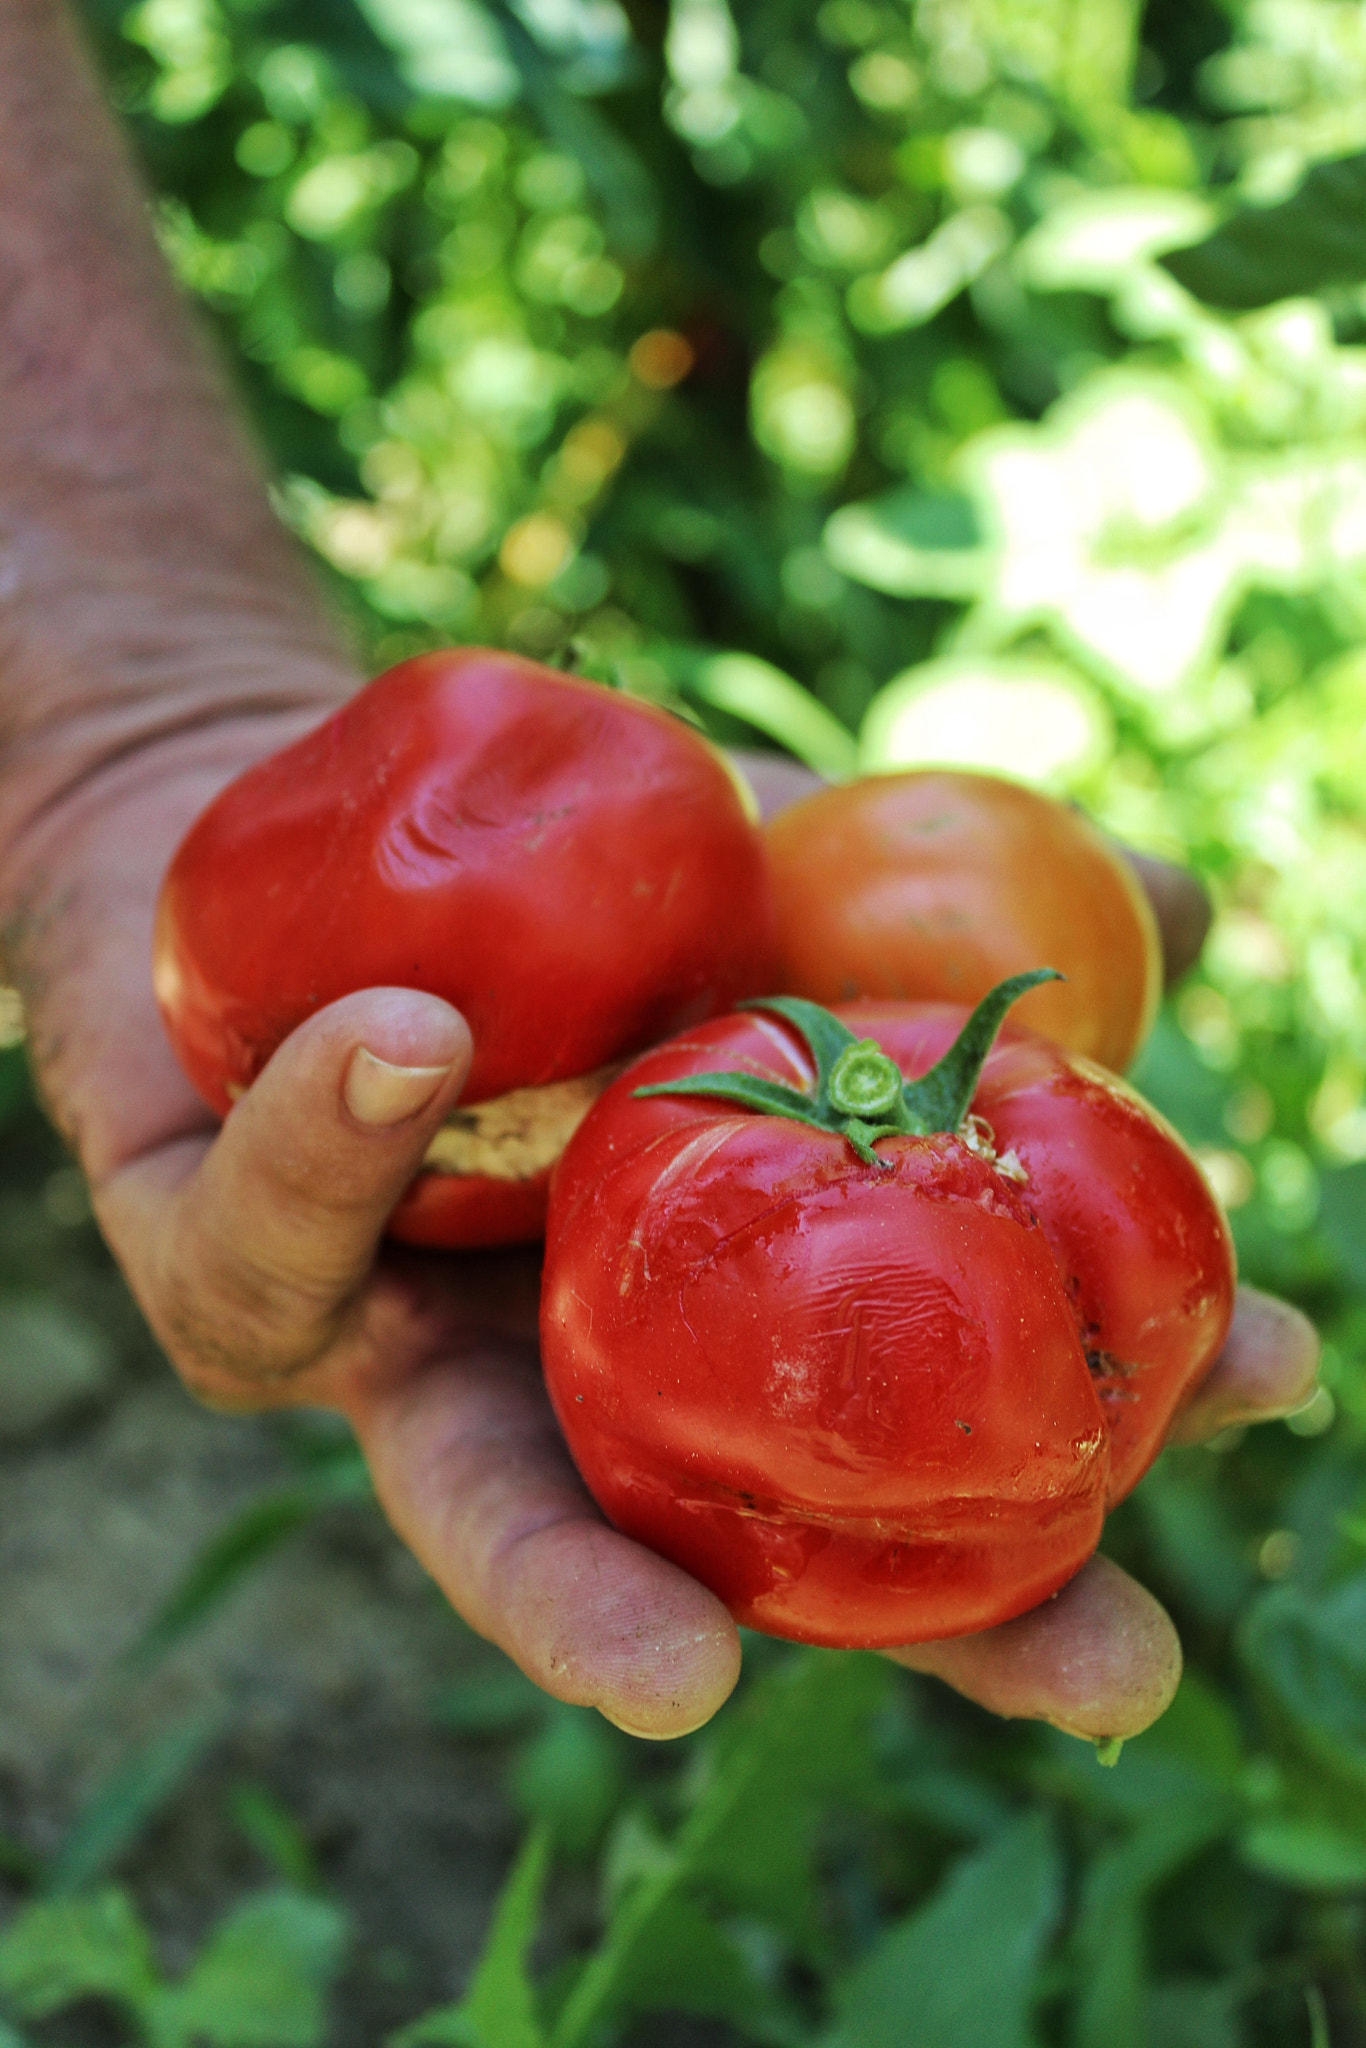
[{"x": 378, "y": 1093}]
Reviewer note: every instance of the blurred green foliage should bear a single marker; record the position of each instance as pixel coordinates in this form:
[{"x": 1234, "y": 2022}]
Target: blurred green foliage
[{"x": 895, "y": 380}]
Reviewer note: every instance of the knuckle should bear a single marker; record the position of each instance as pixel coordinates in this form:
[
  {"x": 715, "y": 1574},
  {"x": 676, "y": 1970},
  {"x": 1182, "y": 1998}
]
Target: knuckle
[{"x": 226, "y": 1320}]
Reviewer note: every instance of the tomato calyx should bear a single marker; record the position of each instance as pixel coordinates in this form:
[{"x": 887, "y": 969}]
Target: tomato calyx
[
  {"x": 518, "y": 1135},
  {"x": 860, "y": 1093}
]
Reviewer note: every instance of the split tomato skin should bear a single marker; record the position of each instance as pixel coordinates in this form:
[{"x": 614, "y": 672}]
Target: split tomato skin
[
  {"x": 1143, "y": 1246},
  {"x": 574, "y": 870},
  {"x": 851, "y": 1399},
  {"x": 935, "y": 884},
  {"x": 856, "y": 1401}
]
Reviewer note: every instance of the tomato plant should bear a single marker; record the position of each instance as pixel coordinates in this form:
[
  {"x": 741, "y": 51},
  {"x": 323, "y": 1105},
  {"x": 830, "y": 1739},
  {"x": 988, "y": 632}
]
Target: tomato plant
[
  {"x": 934, "y": 885},
  {"x": 872, "y": 1356},
  {"x": 574, "y": 870}
]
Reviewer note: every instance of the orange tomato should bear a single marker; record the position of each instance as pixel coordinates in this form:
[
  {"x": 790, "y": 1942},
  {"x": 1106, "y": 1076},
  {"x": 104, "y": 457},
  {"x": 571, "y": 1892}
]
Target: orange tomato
[{"x": 934, "y": 885}]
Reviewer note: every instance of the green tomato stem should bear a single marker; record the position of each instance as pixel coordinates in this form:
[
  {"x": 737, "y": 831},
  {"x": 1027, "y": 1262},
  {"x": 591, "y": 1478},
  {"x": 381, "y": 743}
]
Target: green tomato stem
[
  {"x": 859, "y": 1093},
  {"x": 865, "y": 1083}
]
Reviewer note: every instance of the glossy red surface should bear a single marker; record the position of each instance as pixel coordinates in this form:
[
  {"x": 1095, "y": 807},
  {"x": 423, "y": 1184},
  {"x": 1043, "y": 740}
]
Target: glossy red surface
[
  {"x": 858, "y": 1403},
  {"x": 573, "y": 869},
  {"x": 471, "y": 1211},
  {"x": 1143, "y": 1246}
]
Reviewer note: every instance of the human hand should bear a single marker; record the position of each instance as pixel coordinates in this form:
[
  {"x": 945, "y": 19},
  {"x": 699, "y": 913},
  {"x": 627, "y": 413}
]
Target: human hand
[
  {"x": 1101, "y": 1658},
  {"x": 257, "y": 1252},
  {"x": 158, "y": 637}
]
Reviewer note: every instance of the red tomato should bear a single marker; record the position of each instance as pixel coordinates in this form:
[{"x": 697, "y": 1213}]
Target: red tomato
[
  {"x": 574, "y": 870},
  {"x": 880, "y": 1403},
  {"x": 934, "y": 885}
]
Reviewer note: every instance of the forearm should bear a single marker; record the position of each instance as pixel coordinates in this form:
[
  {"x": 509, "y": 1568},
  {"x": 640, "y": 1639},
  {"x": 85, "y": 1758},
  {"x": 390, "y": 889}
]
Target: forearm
[{"x": 146, "y": 590}]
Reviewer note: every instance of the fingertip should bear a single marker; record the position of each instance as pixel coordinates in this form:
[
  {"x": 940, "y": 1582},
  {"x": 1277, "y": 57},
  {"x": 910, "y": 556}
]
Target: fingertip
[
  {"x": 1269, "y": 1367},
  {"x": 685, "y": 1686},
  {"x": 1100, "y": 1660},
  {"x": 403, "y": 1028},
  {"x": 1281, "y": 1334},
  {"x": 1129, "y": 1677},
  {"x": 653, "y": 1650}
]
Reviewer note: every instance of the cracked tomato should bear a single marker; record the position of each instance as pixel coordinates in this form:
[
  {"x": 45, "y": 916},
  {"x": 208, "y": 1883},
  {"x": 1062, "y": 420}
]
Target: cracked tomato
[
  {"x": 871, "y": 1356},
  {"x": 577, "y": 872}
]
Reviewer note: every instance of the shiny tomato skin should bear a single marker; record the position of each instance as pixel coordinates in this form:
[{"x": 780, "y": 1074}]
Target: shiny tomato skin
[
  {"x": 471, "y": 1211},
  {"x": 574, "y": 870},
  {"x": 935, "y": 884},
  {"x": 1143, "y": 1243},
  {"x": 1143, "y": 1246},
  {"x": 852, "y": 1400}
]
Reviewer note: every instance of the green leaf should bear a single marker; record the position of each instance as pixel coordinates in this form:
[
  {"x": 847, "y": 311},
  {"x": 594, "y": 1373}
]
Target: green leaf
[
  {"x": 1194, "y": 2014},
  {"x": 748, "y": 1091},
  {"x": 1108, "y": 1936},
  {"x": 274, "y": 1833},
  {"x": 19, "y": 1862},
  {"x": 9, "y": 2038},
  {"x": 16, "y": 1092},
  {"x": 1306, "y": 1653},
  {"x": 569, "y": 1776},
  {"x": 764, "y": 697},
  {"x": 62, "y": 1950},
  {"x": 121, "y": 1809},
  {"x": 1310, "y": 242},
  {"x": 824, "y": 1035},
  {"x": 941, "y": 1099},
  {"x": 910, "y": 544},
  {"x": 1193, "y": 1754},
  {"x": 1021, "y": 715},
  {"x": 617, "y": 176},
  {"x": 691, "y": 1965},
  {"x": 248, "y": 1539},
  {"x": 446, "y": 47},
  {"x": 799, "y": 1740},
  {"x": 498, "y": 1702},
  {"x": 747, "y": 1845},
  {"x": 1310, "y": 1854},
  {"x": 1342, "y": 1217},
  {"x": 1199, "y": 1731},
  {"x": 959, "y": 1972},
  {"x": 499, "y": 2008},
  {"x": 1195, "y": 1536},
  {"x": 261, "y": 1980}
]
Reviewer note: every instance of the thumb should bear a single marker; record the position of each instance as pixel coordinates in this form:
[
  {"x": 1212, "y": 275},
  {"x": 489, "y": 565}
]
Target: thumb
[{"x": 248, "y": 1252}]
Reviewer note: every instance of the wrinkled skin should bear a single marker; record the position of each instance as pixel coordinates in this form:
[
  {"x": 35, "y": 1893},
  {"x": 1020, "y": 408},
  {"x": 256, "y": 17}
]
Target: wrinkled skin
[
  {"x": 1143, "y": 1247},
  {"x": 867, "y": 1404},
  {"x": 572, "y": 870}
]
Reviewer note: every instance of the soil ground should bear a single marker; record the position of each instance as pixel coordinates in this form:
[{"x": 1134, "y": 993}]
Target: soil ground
[{"x": 315, "y": 1677}]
